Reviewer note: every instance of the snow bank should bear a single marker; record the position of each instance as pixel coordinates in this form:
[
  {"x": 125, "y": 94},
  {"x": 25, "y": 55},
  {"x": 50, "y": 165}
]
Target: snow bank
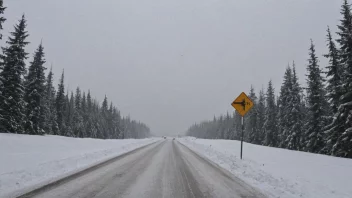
[
  {"x": 28, "y": 161},
  {"x": 279, "y": 172}
]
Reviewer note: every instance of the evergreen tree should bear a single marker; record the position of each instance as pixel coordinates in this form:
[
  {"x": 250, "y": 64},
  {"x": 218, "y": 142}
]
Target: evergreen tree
[
  {"x": 89, "y": 103},
  {"x": 89, "y": 122},
  {"x": 104, "y": 106},
  {"x": 334, "y": 88},
  {"x": 84, "y": 114},
  {"x": 50, "y": 124},
  {"x": 2, "y": 19},
  {"x": 294, "y": 135},
  {"x": 317, "y": 104},
  {"x": 228, "y": 123},
  {"x": 84, "y": 104},
  {"x": 233, "y": 132},
  {"x": 97, "y": 130},
  {"x": 341, "y": 126},
  {"x": 285, "y": 107},
  {"x": 115, "y": 117},
  {"x": 35, "y": 94},
  {"x": 104, "y": 118},
  {"x": 60, "y": 105},
  {"x": 69, "y": 113},
  {"x": 77, "y": 115},
  {"x": 270, "y": 124},
  {"x": 110, "y": 122},
  {"x": 78, "y": 100},
  {"x": 251, "y": 121},
  {"x": 220, "y": 131},
  {"x": 12, "y": 91},
  {"x": 261, "y": 118},
  {"x": 345, "y": 39},
  {"x": 333, "y": 74}
]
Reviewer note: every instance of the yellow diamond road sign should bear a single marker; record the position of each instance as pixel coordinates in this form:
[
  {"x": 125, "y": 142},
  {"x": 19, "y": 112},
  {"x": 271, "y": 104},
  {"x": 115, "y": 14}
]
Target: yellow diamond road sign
[{"x": 242, "y": 104}]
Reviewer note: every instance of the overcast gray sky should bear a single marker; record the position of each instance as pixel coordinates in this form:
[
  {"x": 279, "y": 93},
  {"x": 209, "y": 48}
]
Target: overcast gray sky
[{"x": 170, "y": 63}]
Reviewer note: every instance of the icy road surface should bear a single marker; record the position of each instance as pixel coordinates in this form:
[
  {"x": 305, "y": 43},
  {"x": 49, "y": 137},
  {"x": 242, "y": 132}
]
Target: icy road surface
[{"x": 164, "y": 169}]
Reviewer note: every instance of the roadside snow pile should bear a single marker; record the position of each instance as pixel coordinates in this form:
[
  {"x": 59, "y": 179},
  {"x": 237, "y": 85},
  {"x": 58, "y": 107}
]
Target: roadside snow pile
[
  {"x": 279, "y": 172},
  {"x": 28, "y": 161}
]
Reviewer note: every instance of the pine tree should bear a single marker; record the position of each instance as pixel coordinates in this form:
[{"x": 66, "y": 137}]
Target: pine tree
[
  {"x": 104, "y": 118},
  {"x": 89, "y": 122},
  {"x": 228, "y": 122},
  {"x": 89, "y": 103},
  {"x": 12, "y": 91},
  {"x": 2, "y": 19},
  {"x": 50, "y": 124},
  {"x": 77, "y": 115},
  {"x": 96, "y": 120},
  {"x": 334, "y": 90},
  {"x": 341, "y": 126},
  {"x": 84, "y": 114},
  {"x": 60, "y": 105},
  {"x": 333, "y": 74},
  {"x": 345, "y": 39},
  {"x": 261, "y": 117},
  {"x": 220, "y": 130},
  {"x": 285, "y": 106},
  {"x": 251, "y": 121},
  {"x": 294, "y": 135},
  {"x": 110, "y": 122},
  {"x": 35, "y": 94},
  {"x": 317, "y": 104},
  {"x": 78, "y": 99},
  {"x": 117, "y": 123},
  {"x": 233, "y": 127},
  {"x": 270, "y": 124},
  {"x": 69, "y": 115}
]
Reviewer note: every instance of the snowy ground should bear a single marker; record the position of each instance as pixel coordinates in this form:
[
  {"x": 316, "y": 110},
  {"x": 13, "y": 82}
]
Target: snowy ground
[
  {"x": 162, "y": 170},
  {"x": 279, "y": 172},
  {"x": 30, "y": 161}
]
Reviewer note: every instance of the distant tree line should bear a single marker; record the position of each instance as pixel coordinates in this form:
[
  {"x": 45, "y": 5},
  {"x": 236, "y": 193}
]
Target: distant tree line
[
  {"x": 316, "y": 118},
  {"x": 30, "y": 104}
]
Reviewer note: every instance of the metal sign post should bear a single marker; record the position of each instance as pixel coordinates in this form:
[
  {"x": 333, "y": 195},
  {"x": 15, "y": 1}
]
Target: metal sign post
[
  {"x": 242, "y": 104},
  {"x": 242, "y": 122}
]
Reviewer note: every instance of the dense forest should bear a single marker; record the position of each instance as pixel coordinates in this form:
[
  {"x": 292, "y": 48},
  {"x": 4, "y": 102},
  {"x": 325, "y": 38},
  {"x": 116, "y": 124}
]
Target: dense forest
[
  {"x": 316, "y": 117},
  {"x": 30, "y": 103}
]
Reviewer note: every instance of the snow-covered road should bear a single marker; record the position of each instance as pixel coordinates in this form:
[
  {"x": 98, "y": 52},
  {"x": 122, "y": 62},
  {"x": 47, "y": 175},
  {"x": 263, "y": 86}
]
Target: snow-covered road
[{"x": 163, "y": 169}]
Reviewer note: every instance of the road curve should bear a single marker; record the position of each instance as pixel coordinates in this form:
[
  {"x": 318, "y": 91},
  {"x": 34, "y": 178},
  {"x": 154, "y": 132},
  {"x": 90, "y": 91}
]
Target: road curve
[{"x": 165, "y": 169}]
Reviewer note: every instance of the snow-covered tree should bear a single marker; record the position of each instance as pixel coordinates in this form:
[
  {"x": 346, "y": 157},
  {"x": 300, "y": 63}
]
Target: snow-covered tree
[
  {"x": 69, "y": 113},
  {"x": 341, "y": 126},
  {"x": 261, "y": 118},
  {"x": 105, "y": 117},
  {"x": 294, "y": 134},
  {"x": 252, "y": 119},
  {"x": 345, "y": 39},
  {"x": 2, "y": 19},
  {"x": 78, "y": 127},
  {"x": 221, "y": 128},
  {"x": 12, "y": 90},
  {"x": 50, "y": 123},
  {"x": 317, "y": 104},
  {"x": 285, "y": 107},
  {"x": 35, "y": 94},
  {"x": 60, "y": 105},
  {"x": 89, "y": 117},
  {"x": 334, "y": 87},
  {"x": 270, "y": 124}
]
